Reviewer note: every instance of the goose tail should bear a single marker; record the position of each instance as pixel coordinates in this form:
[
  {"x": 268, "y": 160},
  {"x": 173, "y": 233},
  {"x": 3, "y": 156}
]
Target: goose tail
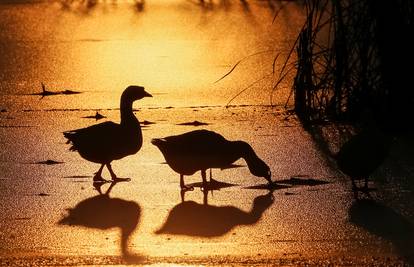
[
  {"x": 158, "y": 142},
  {"x": 70, "y": 136}
]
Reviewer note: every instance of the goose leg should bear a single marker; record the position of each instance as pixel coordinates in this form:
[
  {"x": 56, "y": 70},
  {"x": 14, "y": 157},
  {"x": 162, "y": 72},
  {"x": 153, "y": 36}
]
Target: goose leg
[
  {"x": 204, "y": 176},
  {"x": 365, "y": 188},
  {"x": 183, "y": 186},
  {"x": 354, "y": 188},
  {"x": 212, "y": 181},
  {"x": 113, "y": 175},
  {"x": 206, "y": 187},
  {"x": 366, "y": 184},
  {"x": 182, "y": 181},
  {"x": 98, "y": 175}
]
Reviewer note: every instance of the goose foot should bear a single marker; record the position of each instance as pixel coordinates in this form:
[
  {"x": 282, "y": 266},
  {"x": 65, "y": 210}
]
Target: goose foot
[
  {"x": 207, "y": 187},
  {"x": 271, "y": 185},
  {"x": 98, "y": 176},
  {"x": 186, "y": 188},
  {"x": 99, "y": 179},
  {"x": 118, "y": 179},
  {"x": 365, "y": 190}
]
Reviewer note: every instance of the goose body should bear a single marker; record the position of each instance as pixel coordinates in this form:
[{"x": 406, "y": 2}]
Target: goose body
[
  {"x": 104, "y": 142},
  {"x": 201, "y": 150}
]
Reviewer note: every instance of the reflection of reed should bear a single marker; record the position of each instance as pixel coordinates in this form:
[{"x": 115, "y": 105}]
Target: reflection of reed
[
  {"x": 103, "y": 212},
  {"x": 87, "y": 5},
  {"x": 193, "y": 219},
  {"x": 385, "y": 223}
]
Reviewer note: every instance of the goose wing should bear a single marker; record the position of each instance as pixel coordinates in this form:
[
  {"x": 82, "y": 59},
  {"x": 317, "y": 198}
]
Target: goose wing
[
  {"x": 97, "y": 140},
  {"x": 196, "y": 150},
  {"x": 103, "y": 132},
  {"x": 200, "y": 142}
]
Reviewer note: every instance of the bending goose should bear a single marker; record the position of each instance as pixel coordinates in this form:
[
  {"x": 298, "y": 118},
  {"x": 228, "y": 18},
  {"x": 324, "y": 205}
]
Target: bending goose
[
  {"x": 201, "y": 150},
  {"x": 104, "y": 142}
]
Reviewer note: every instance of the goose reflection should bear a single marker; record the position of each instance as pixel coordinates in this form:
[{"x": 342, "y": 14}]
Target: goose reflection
[
  {"x": 103, "y": 212},
  {"x": 193, "y": 219}
]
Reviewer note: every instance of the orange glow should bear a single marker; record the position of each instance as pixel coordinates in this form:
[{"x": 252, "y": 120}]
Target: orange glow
[{"x": 177, "y": 50}]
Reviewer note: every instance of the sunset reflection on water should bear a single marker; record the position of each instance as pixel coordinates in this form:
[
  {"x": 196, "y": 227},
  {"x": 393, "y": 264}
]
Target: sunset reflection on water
[{"x": 176, "y": 49}]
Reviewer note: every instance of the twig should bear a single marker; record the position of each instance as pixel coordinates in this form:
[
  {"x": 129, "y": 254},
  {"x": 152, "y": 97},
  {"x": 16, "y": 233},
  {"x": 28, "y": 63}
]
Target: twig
[
  {"x": 238, "y": 62},
  {"x": 247, "y": 87}
]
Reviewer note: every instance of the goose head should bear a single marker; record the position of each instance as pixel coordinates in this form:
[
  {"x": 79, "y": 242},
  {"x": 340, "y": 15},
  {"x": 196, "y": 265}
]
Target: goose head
[
  {"x": 259, "y": 168},
  {"x": 135, "y": 92}
]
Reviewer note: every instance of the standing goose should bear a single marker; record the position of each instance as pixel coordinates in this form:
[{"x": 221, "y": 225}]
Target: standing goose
[
  {"x": 104, "y": 142},
  {"x": 201, "y": 150},
  {"x": 361, "y": 155}
]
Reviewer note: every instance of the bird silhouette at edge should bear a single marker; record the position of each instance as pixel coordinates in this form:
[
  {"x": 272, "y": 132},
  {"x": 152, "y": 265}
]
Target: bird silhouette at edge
[
  {"x": 362, "y": 155},
  {"x": 202, "y": 149},
  {"x": 104, "y": 142}
]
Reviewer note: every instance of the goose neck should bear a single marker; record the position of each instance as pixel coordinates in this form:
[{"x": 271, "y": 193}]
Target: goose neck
[
  {"x": 127, "y": 116},
  {"x": 245, "y": 151}
]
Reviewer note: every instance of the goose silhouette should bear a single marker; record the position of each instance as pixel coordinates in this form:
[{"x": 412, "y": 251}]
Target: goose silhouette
[
  {"x": 201, "y": 150},
  {"x": 361, "y": 155},
  {"x": 104, "y": 142}
]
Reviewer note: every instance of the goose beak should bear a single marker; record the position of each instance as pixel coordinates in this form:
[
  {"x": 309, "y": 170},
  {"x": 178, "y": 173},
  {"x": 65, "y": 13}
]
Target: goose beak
[{"x": 146, "y": 94}]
